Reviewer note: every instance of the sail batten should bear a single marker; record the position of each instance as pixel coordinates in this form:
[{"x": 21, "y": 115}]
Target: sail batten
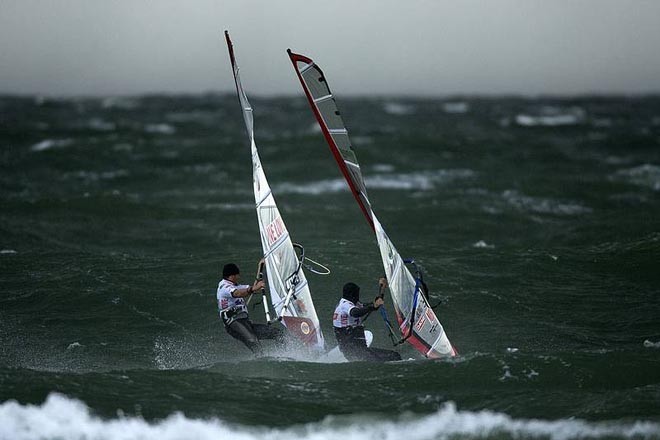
[
  {"x": 322, "y": 99},
  {"x": 263, "y": 199},
  {"x": 417, "y": 321},
  {"x": 287, "y": 283}
]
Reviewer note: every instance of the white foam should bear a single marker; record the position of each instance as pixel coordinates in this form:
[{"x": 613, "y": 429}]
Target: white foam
[
  {"x": 48, "y": 144},
  {"x": 552, "y": 117},
  {"x": 651, "y": 344},
  {"x": 423, "y": 181},
  {"x": 62, "y": 418},
  {"x": 313, "y": 188},
  {"x": 482, "y": 244},
  {"x": 7, "y": 252},
  {"x": 542, "y": 205},
  {"x": 397, "y": 108},
  {"x": 643, "y": 175},
  {"x": 458, "y": 107},
  {"x": 160, "y": 129}
]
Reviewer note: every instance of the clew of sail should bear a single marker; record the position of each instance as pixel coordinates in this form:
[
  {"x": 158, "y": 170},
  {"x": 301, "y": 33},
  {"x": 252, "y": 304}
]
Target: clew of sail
[
  {"x": 418, "y": 323},
  {"x": 288, "y": 287}
]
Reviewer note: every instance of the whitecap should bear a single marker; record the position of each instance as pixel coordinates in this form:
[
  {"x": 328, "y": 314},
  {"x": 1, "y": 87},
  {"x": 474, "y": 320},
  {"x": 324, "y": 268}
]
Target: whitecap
[
  {"x": 543, "y": 205},
  {"x": 651, "y": 344},
  {"x": 422, "y": 181},
  {"x": 531, "y": 374},
  {"x": 549, "y": 116},
  {"x": 457, "y": 107},
  {"x": 7, "y": 252},
  {"x": 74, "y": 345},
  {"x": 48, "y": 144},
  {"x": 482, "y": 244},
  {"x": 60, "y": 417},
  {"x": 399, "y": 109},
  {"x": 313, "y": 188},
  {"x": 643, "y": 175},
  {"x": 160, "y": 129},
  {"x": 547, "y": 121}
]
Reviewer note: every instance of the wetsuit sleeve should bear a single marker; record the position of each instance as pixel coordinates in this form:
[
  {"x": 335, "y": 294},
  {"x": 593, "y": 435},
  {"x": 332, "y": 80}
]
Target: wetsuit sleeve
[{"x": 356, "y": 311}]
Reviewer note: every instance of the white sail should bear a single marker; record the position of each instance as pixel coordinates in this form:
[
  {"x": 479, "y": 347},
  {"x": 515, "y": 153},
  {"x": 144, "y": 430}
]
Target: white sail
[
  {"x": 418, "y": 323},
  {"x": 287, "y": 284}
]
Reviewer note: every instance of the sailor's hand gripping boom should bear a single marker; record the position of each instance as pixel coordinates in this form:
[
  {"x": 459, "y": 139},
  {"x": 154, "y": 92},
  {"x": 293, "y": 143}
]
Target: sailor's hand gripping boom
[{"x": 260, "y": 279}]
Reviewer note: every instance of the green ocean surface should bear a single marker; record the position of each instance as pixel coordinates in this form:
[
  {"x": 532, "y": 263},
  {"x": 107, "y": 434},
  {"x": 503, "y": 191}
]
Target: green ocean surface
[{"x": 536, "y": 221}]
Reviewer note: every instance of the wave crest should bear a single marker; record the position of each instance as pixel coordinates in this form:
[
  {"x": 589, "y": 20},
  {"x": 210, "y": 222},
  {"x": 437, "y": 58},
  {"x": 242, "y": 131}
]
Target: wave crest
[{"x": 60, "y": 417}]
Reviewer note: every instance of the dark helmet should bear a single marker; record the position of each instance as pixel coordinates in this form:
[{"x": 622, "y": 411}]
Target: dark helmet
[
  {"x": 351, "y": 292},
  {"x": 229, "y": 270}
]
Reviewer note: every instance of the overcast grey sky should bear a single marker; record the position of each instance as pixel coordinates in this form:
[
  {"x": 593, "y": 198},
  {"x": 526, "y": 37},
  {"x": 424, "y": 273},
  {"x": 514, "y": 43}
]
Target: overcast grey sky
[{"x": 419, "y": 47}]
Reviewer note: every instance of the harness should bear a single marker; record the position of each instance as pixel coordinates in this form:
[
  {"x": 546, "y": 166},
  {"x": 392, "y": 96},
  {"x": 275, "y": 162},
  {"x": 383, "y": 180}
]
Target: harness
[
  {"x": 232, "y": 314},
  {"x": 350, "y": 336}
]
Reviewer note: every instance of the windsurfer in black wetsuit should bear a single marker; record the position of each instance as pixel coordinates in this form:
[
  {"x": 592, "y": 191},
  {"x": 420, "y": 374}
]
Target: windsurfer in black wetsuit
[
  {"x": 349, "y": 331},
  {"x": 233, "y": 310}
]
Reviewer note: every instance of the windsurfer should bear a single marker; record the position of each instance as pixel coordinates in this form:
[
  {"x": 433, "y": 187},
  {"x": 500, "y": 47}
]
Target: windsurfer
[
  {"x": 233, "y": 310},
  {"x": 349, "y": 331}
]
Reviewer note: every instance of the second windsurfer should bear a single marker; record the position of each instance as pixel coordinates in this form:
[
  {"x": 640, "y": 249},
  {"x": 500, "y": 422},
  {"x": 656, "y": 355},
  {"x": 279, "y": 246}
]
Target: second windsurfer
[{"x": 349, "y": 331}]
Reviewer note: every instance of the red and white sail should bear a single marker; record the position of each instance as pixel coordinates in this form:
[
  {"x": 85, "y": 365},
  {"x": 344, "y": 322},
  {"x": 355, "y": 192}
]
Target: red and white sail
[
  {"x": 289, "y": 291},
  {"x": 418, "y": 323}
]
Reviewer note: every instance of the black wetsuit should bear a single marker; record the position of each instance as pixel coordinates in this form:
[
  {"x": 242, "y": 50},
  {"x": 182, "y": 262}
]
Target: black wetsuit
[
  {"x": 353, "y": 344},
  {"x": 250, "y": 333}
]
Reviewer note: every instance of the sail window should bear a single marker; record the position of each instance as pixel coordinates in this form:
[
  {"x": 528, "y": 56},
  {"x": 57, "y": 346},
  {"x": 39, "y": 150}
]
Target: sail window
[
  {"x": 328, "y": 110},
  {"x": 316, "y": 87}
]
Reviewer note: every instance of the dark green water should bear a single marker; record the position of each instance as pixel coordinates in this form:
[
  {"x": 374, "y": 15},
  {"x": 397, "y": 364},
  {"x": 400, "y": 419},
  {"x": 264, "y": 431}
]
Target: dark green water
[{"x": 537, "y": 222}]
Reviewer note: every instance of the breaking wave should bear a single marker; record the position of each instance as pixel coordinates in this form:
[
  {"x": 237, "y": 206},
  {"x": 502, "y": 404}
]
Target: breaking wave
[
  {"x": 543, "y": 205},
  {"x": 647, "y": 175},
  {"x": 60, "y": 417}
]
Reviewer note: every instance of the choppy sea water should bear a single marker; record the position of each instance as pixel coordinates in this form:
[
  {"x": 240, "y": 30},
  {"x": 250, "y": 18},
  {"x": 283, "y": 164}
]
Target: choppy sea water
[{"x": 536, "y": 222}]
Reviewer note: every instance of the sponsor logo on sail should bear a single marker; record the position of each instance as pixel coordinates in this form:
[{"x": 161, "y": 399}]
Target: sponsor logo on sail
[
  {"x": 430, "y": 315},
  {"x": 274, "y": 230},
  {"x": 420, "y": 323},
  {"x": 304, "y": 327}
]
